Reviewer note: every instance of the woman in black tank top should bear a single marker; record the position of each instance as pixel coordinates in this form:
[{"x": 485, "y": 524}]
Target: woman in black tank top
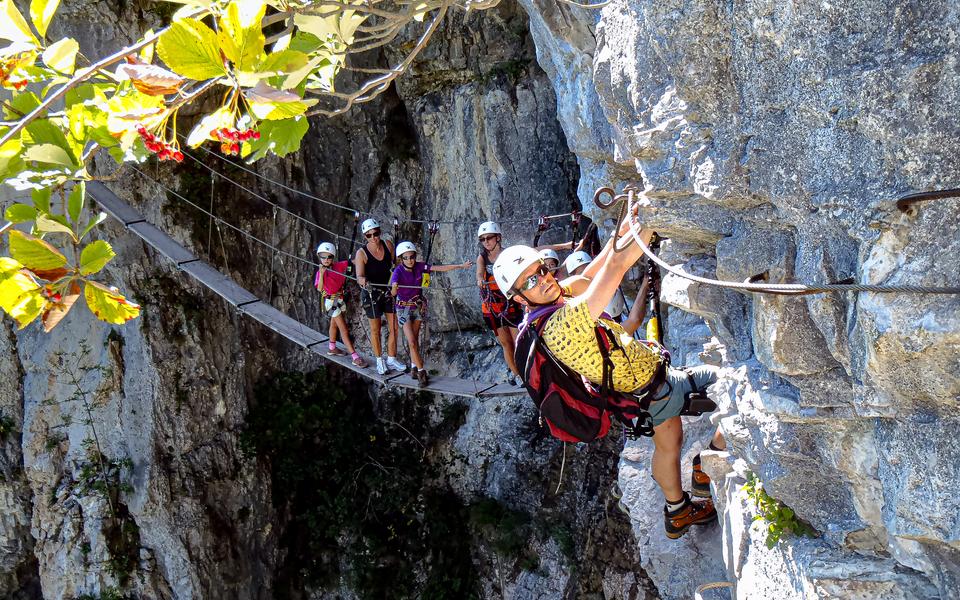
[{"x": 375, "y": 296}]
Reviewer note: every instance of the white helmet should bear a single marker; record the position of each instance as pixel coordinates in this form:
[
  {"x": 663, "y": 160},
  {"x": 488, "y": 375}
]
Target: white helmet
[
  {"x": 488, "y": 227},
  {"x": 548, "y": 253},
  {"x": 369, "y": 224},
  {"x": 404, "y": 247},
  {"x": 576, "y": 260},
  {"x": 511, "y": 264},
  {"x": 327, "y": 248}
]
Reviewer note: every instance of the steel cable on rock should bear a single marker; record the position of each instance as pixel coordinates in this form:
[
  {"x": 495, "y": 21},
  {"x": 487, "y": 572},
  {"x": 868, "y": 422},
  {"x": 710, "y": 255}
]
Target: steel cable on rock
[{"x": 628, "y": 203}]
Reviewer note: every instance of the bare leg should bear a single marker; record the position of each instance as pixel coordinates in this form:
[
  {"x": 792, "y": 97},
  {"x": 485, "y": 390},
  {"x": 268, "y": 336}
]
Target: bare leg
[
  {"x": 333, "y": 330},
  {"x": 507, "y": 337},
  {"x": 391, "y": 334},
  {"x": 344, "y": 333},
  {"x": 411, "y": 329},
  {"x": 718, "y": 441},
  {"x": 375, "y": 337},
  {"x": 668, "y": 439}
]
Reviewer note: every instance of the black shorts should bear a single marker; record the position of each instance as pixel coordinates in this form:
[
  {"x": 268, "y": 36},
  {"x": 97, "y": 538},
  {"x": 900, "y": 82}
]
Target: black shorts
[{"x": 380, "y": 304}]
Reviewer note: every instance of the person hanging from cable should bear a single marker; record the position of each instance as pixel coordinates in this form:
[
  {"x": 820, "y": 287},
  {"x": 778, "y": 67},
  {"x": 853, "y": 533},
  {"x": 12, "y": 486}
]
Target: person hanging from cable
[
  {"x": 583, "y": 369},
  {"x": 374, "y": 264},
  {"x": 329, "y": 282},
  {"x": 406, "y": 285}
]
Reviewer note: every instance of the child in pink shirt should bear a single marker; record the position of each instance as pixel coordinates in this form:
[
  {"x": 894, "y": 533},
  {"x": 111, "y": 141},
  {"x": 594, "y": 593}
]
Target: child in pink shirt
[{"x": 329, "y": 282}]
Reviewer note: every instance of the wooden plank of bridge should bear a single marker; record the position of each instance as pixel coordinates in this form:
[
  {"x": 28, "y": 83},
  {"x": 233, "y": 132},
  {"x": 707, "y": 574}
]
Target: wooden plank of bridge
[
  {"x": 293, "y": 330},
  {"x": 112, "y": 205},
  {"x": 219, "y": 283},
  {"x": 163, "y": 243}
]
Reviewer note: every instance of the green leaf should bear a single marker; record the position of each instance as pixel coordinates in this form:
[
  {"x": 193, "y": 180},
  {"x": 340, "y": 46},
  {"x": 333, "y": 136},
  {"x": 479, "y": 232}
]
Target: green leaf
[
  {"x": 190, "y": 49},
  {"x": 43, "y": 131},
  {"x": 50, "y": 223},
  {"x": 75, "y": 200},
  {"x": 20, "y": 294},
  {"x": 101, "y": 217},
  {"x": 95, "y": 257},
  {"x": 280, "y": 137},
  {"x": 23, "y": 103},
  {"x": 13, "y": 26},
  {"x": 41, "y": 199},
  {"x": 48, "y": 153},
  {"x": 284, "y": 61},
  {"x": 108, "y": 304},
  {"x": 222, "y": 117},
  {"x": 62, "y": 56},
  {"x": 34, "y": 253},
  {"x": 41, "y": 13},
  {"x": 20, "y": 213},
  {"x": 241, "y": 36}
]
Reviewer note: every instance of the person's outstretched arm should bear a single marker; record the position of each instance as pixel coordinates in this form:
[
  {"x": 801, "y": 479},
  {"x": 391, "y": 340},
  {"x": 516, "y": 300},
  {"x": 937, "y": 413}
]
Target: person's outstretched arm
[
  {"x": 639, "y": 310},
  {"x": 609, "y": 271},
  {"x": 442, "y": 268}
]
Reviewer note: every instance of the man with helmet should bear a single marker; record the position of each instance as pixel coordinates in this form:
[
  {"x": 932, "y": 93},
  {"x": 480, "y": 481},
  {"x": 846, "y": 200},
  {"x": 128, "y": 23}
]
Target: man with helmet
[
  {"x": 329, "y": 282},
  {"x": 374, "y": 264},
  {"x": 570, "y": 333},
  {"x": 406, "y": 285},
  {"x": 551, "y": 259}
]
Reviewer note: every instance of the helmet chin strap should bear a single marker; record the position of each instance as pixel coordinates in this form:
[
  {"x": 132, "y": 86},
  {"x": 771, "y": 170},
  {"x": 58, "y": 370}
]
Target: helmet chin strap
[{"x": 532, "y": 303}]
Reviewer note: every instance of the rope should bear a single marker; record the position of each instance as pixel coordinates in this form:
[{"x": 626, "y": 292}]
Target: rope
[
  {"x": 254, "y": 238},
  {"x": 344, "y": 207},
  {"x": 627, "y": 201}
]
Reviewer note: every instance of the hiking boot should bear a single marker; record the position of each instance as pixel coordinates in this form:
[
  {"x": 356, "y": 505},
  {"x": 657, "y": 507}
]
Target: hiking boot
[
  {"x": 413, "y": 373},
  {"x": 700, "y": 481},
  {"x": 393, "y": 363},
  {"x": 381, "y": 366},
  {"x": 423, "y": 378},
  {"x": 358, "y": 361},
  {"x": 679, "y": 521},
  {"x": 335, "y": 352}
]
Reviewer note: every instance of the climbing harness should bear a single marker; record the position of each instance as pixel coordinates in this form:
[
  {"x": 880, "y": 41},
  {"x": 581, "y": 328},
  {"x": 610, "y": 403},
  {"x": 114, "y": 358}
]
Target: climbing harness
[{"x": 627, "y": 201}]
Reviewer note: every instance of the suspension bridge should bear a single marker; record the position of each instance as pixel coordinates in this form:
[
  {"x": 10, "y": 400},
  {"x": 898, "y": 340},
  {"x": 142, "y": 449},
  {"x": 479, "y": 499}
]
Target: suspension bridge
[{"x": 246, "y": 303}]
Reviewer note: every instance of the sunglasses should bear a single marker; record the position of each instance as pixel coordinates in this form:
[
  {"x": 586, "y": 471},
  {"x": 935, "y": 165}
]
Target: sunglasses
[
  {"x": 532, "y": 281},
  {"x": 326, "y": 257},
  {"x": 487, "y": 238},
  {"x": 408, "y": 257},
  {"x": 372, "y": 234}
]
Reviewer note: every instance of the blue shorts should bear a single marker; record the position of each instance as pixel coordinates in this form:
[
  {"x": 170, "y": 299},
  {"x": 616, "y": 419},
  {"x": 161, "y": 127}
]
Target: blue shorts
[{"x": 677, "y": 386}]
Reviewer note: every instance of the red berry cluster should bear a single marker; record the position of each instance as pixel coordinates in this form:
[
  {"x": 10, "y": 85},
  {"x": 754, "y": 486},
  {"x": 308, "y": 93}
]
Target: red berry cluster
[
  {"x": 6, "y": 71},
  {"x": 230, "y": 138},
  {"x": 161, "y": 148}
]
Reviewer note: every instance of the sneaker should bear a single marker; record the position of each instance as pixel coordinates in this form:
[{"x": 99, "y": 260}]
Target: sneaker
[
  {"x": 393, "y": 363},
  {"x": 381, "y": 366},
  {"x": 700, "y": 481},
  {"x": 358, "y": 361},
  {"x": 423, "y": 378},
  {"x": 335, "y": 352},
  {"x": 679, "y": 521},
  {"x": 512, "y": 380}
]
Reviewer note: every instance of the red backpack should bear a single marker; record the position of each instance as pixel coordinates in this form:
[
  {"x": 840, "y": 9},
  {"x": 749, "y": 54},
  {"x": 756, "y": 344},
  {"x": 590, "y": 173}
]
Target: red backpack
[{"x": 574, "y": 409}]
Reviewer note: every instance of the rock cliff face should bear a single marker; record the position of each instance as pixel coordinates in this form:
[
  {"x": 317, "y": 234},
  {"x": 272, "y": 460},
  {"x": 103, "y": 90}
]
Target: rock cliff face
[{"x": 773, "y": 139}]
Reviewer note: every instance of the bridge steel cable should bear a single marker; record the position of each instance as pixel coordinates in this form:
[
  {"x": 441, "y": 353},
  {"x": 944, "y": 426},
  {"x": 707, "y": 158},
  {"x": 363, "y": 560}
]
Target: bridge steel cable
[{"x": 343, "y": 207}]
